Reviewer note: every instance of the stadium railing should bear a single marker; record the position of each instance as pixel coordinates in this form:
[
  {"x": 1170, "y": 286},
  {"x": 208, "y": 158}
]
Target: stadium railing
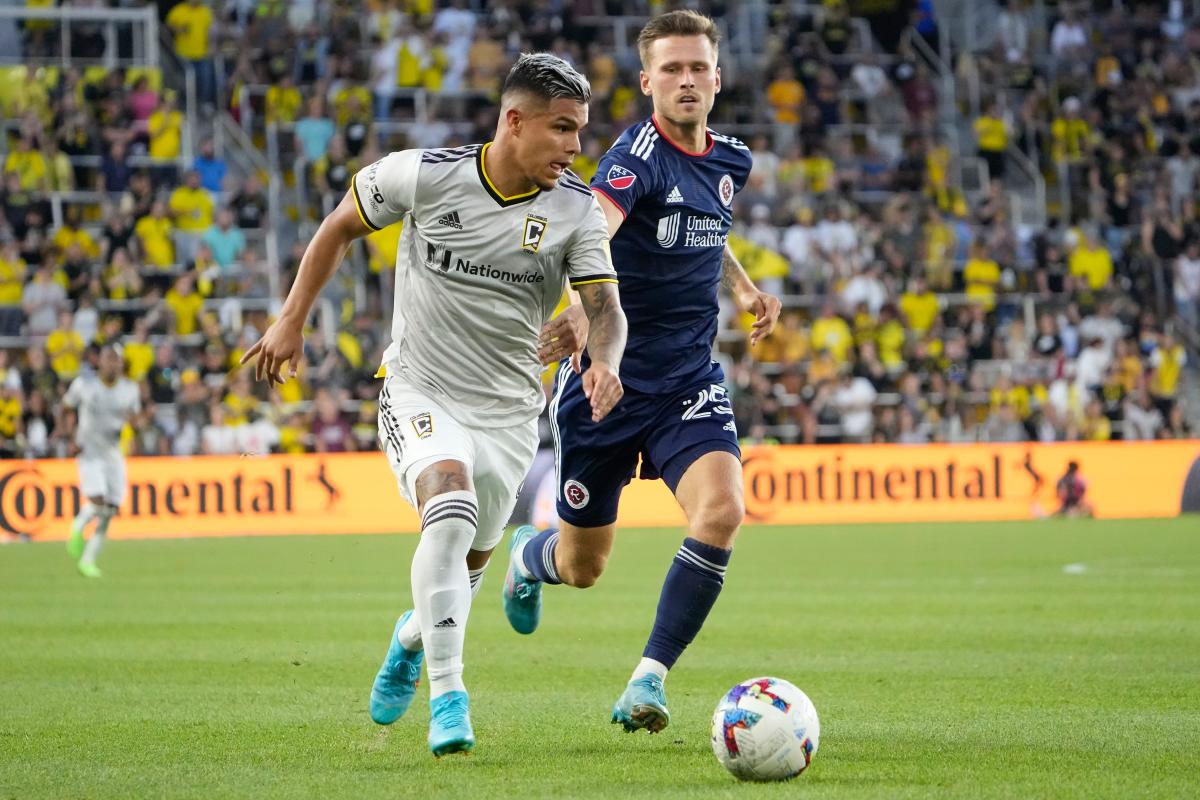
[{"x": 145, "y": 47}]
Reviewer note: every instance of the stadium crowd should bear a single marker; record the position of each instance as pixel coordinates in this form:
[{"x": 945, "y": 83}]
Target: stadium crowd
[{"x": 914, "y": 311}]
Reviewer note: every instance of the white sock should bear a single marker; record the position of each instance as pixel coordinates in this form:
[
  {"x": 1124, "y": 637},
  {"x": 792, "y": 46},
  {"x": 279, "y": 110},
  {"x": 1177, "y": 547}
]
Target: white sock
[
  {"x": 518, "y": 558},
  {"x": 85, "y": 515},
  {"x": 409, "y": 634},
  {"x": 95, "y": 544},
  {"x": 648, "y": 666},
  {"x": 442, "y": 587}
]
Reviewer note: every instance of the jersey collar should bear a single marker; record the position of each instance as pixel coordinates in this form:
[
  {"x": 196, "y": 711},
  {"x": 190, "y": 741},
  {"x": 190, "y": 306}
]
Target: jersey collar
[
  {"x": 707, "y": 137},
  {"x": 491, "y": 187}
]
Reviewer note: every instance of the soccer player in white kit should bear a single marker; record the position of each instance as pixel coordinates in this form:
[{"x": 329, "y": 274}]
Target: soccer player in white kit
[
  {"x": 103, "y": 403},
  {"x": 492, "y": 233}
]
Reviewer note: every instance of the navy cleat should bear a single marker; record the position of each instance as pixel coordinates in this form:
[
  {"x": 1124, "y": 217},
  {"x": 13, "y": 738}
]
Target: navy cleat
[
  {"x": 450, "y": 724},
  {"x": 522, "y": 596},
  {"x": 643, "y": 704},
  {"x": 397, "y": 679}
]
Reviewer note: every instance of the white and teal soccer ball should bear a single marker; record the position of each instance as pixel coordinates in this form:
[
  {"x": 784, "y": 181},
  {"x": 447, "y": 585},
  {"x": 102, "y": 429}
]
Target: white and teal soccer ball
[{"x": 765, "y": 729}]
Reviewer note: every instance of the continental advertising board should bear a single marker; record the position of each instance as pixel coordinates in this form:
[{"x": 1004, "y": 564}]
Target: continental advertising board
[{"x": 356, "y": 493}]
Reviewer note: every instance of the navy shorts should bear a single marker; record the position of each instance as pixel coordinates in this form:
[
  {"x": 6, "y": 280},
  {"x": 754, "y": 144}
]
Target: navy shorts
[{"x": 667, "y": 432}]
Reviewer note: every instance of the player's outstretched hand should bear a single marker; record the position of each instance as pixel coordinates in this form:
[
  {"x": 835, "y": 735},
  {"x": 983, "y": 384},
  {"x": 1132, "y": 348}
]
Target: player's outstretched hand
[
  {"x": 603, "y": 388},
  {"x": 281, "y": 343},
  {"x": 765, "y": 308},
  {"x": 563, "y": 336}
]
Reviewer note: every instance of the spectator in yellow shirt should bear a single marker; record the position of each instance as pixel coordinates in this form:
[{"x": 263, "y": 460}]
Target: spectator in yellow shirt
[
  {"x": 1090, "y": 262},
  {"x": 65, "y": 347},
  {"x": 184, "y": 304},
  {"x": 919, "y": 306},
  {"x": 1167, "y": 362},
  {"x": 981, "y": 275},
  {"x": 13, "y": 272},
  {"x": 71, "y": 234},
  {"x": 139, "y": 353},
  {"x": 29, "y": 164},
  {"x": 191, "y": 22},
  {"x": 283, "y": 102},
  {"x": 991, "y": 137},
  {"x": 785, "y": 96},
  {"x": 830, "y": 332},
  {"x": 819, "y": 170},
  {"x": 154, "y": 236},
  {"x": 192, "y": 207},
  {"x": 1070, "y": 134},
  {"x": 165, "y": 127}
]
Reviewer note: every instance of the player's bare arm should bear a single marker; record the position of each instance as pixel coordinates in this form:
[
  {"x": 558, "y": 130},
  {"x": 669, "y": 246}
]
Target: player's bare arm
[
  {"x": 765, "y": 307},
  {"x": 284, "y": 340},
  {"x": 606, "y": 343},
  {"x": 566, "y": 334}
]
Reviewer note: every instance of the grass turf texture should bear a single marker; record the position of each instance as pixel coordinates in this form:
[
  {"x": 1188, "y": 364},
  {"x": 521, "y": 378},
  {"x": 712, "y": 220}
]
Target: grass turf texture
[{"x": 944, "y": 660}]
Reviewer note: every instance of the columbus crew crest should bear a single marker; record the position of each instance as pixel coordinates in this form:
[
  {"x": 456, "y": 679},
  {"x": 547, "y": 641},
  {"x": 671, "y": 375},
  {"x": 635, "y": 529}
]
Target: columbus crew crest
[
  {"x": 535, "y": 229},
  {"x": 423, "y": 425}
]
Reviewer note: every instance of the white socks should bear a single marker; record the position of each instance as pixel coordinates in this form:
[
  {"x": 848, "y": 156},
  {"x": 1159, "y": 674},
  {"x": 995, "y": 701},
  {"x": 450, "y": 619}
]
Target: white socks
[
  {"x": 442, "y": 587},
  {"x": 95, "y": 543},
  {"x": 648, "y": 666},
  {"x": 409, "y": 634}
]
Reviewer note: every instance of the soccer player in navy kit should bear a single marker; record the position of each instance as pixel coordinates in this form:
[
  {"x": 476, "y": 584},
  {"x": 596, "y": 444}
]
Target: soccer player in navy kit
[{"x": 666, "y": 188}]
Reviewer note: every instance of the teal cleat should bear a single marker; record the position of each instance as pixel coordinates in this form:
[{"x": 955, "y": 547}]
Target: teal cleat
[
  {"x": 397, "y": 679},
  {"x": 450, "y": 724},
  {"x": 522, "y": 596},
  {"x": 643, "y": 704}
]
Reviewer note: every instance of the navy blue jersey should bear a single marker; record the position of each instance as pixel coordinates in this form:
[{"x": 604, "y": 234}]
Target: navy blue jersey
[{"x": 668, "y": 251}]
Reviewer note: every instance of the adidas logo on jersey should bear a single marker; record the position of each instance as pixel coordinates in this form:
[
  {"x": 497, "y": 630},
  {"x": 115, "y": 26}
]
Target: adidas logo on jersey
[
  {"x": 675, "y": 196},
  {"x": 451, "y": 220},
  {"x": 448, "y": 622}
]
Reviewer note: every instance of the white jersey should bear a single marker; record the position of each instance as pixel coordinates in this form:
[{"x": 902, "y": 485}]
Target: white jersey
[
  {"x": 103, "y": 411},
  {"x": 478, "y": 275}
]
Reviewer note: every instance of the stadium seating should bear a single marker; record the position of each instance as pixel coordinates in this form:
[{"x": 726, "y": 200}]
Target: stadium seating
[{"x": 986, "y": 238}]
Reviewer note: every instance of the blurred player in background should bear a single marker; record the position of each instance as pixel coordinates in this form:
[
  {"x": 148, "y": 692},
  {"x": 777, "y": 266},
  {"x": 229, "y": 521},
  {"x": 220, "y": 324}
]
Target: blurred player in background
[
  {"x": 1072, "y": 491},
  {"x": 103, "y": 403},
  {"x": 666, "y": 188},
  {"x": 491, "y": 235}
]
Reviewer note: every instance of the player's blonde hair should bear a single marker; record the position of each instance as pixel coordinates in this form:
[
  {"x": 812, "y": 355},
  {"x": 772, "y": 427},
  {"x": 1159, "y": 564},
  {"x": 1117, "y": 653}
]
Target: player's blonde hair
[{"x": 676, "y": 23}]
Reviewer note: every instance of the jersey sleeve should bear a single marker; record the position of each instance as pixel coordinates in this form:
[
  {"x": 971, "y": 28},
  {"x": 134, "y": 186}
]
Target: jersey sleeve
[
  {"x": 588, "y": 256},
  {"x": 74, "y": 394},
  {"x": 623, "y": 178},
  {"x": 386, "y": 190}
]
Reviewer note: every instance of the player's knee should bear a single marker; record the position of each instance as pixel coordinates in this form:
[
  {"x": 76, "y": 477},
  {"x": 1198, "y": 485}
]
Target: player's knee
[
  {"x": 440, "y": 478},
  {"x": 718, "y": 520},
  {"x": 583, "y": 570}
]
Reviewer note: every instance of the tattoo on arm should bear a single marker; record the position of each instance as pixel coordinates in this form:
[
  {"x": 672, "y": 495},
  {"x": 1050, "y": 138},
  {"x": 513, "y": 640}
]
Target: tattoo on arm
[
  {"x": 729, "y": 270},
  {"x": 606, "y": 322}
]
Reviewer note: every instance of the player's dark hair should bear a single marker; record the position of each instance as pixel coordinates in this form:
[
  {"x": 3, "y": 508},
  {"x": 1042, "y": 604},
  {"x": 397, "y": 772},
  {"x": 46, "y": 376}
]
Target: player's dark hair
[
  {"x": 676, "y": 23},
  {"x": 548, "y": 77}
]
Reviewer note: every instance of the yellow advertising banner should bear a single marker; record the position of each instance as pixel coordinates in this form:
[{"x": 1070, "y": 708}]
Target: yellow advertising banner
[{"x": 356, "y": 493}]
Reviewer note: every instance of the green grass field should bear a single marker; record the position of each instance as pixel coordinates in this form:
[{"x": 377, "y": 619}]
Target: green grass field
[{"x": 945, "y": 661}]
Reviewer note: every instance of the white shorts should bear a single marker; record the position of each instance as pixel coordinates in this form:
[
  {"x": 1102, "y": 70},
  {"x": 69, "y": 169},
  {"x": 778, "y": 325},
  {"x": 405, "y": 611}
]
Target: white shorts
[
  {"x": 415, "y": 432},
  {"x": 103, "y": 475}
]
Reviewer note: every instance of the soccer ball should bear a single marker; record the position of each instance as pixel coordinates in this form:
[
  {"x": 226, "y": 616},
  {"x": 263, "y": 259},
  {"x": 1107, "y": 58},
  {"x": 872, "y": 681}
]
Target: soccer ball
[{"x": 765, "y": 729}]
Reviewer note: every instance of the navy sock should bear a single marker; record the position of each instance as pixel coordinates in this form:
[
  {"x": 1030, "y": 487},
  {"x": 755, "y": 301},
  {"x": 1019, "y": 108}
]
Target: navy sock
[
  {"x": 538, "y": 556},
  {"x": 688, "y": 594}
]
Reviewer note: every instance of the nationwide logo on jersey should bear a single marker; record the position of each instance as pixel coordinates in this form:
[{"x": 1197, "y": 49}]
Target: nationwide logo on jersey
[
  {"x": 535, "y": 229},
  {"x": 423, "y": 425},
  {"x": 668, "y": 229},
  {"x": 576, "y": 494},
  {"x": 451, "y": 220},
  {"x": 619, "y": 178},
  {"x": 725, "y": 190},
  {"x": 675, "y": 196}
]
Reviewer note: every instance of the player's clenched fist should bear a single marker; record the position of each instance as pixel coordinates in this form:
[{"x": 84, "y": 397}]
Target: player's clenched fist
[
  {"x": 281, "y": 343},
  {"x": 602, "y": 387}
]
